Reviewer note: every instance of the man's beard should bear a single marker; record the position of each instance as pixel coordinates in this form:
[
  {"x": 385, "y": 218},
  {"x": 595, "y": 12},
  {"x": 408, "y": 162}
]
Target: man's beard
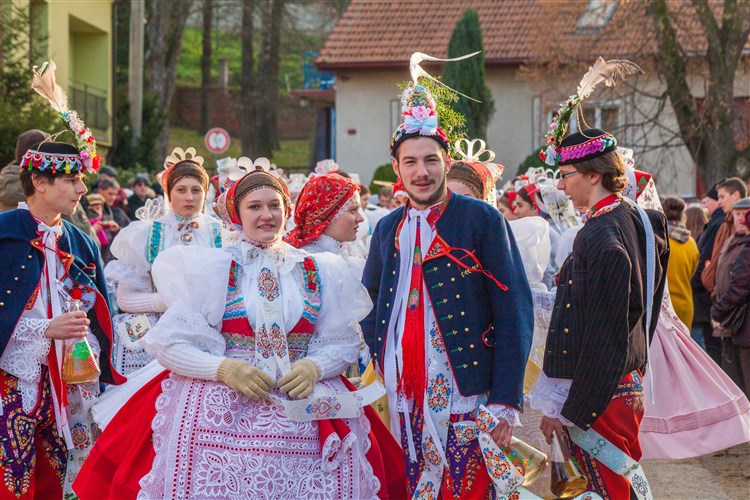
[{"x": 433, "y": 197}]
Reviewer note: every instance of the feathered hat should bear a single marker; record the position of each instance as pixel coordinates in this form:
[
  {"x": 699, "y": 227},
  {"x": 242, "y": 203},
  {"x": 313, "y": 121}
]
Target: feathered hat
[
  {"x": 418, "y": 106},
  {"x": 86, "y": 160},
  {"x": 582, "y": 146}
]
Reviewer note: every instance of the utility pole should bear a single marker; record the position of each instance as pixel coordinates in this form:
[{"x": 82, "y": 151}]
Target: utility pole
[{"x": 135, "y": 66}]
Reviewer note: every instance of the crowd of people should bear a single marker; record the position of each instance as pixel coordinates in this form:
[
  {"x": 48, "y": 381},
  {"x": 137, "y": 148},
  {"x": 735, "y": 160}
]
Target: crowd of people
[{"x": 253, "y": 334}]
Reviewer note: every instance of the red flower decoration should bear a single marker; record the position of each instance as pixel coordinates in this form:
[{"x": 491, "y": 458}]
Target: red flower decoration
[{"x": 76, "y": 293}]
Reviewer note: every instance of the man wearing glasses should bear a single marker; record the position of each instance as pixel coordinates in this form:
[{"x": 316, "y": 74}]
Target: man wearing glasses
[{"x": 596, "y": 347}]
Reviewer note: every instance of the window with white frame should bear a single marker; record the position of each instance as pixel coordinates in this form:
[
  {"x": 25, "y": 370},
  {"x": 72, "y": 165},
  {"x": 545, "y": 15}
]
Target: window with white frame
[{"x": 604, "y": 115}]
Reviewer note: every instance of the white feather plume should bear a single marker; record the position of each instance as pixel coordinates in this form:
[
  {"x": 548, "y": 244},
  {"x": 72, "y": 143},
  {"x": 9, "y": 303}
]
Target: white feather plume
[
  {"x": 416, "y": 70},
  {"x": 610, "y": 72},
  {"x": 45, "y": 85}
]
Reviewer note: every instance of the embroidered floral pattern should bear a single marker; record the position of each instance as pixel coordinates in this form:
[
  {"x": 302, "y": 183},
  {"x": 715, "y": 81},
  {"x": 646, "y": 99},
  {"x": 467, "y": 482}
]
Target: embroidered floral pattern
[
  {"x": 439, "y": 393},
  {"x": 436, "y": 340},
  {"x": 324, "y": 407},
  {"x": 211, "y": 442},
  {"x": 268, "y": 285}
]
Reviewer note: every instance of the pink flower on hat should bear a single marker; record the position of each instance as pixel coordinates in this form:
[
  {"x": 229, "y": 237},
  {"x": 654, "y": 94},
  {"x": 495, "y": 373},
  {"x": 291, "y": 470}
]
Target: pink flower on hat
[{"x": 421, "y": 113}]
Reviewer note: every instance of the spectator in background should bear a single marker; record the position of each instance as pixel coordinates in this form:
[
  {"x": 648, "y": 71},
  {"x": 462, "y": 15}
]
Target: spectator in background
[
  {"x": 109, "y": 189},
  {"x": 373, "y": 212},
  {"x": 732, "y": 292},
  {"x": 695, "y": 220},
  {"x": 141, "y": 193},
  {"x": 11, "y": 192},
  {"x": 386, "y": 197},
  {"x": 701, "y": 296},
  {"x": 505, "y": 205},
  {"x": 683, "y": 260},
  {"x": 104, "y": 230},
  {"x": 728, "y": 191},
  {"x": 107, "y": 173}
]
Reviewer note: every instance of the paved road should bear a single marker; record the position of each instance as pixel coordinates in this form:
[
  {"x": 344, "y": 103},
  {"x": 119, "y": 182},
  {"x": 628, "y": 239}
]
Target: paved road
[{"x": 719, "y": 476}]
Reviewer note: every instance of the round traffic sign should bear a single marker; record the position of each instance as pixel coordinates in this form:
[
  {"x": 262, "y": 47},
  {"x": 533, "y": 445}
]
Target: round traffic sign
[{"x": 217, "y": 140}]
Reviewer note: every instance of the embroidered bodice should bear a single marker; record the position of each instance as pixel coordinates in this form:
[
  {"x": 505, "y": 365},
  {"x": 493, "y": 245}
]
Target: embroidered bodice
[{"x": 319, "y": 299}]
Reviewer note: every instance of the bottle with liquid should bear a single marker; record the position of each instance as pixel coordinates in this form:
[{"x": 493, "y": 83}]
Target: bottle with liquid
[
  {"x": 79, "y": 364},
  {"x": 530, "y": 461},
  {"x": 566, "y": 480}
]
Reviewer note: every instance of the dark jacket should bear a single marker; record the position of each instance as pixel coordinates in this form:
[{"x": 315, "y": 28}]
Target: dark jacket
[
  {"x": 733, "y": 285},
  {"x": 596, "y": 333},
  {"x": 487, "y": 331},
  {"x": 134, "y": 203},
  {"x": 701, "y": 296},
  {"x": 11, "y": 192},
  {"x": 21, "y": 269}
]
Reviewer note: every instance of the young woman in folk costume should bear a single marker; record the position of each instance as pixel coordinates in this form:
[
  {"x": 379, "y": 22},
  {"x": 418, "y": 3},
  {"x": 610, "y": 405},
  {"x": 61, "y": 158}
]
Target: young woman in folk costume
[
  {"x": 180, "y": 222},
  {"x": 251, "y": 404},
  {"x": 327, "y": 217}
]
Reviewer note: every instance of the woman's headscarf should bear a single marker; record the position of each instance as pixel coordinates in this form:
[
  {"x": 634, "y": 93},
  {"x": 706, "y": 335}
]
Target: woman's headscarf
[{"x": 322, "y": 198}]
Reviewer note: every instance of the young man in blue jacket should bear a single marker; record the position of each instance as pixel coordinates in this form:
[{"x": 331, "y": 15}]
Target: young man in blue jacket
[
  {"x": 453, "y": 318},
  {"x": 46, "y": 261}
]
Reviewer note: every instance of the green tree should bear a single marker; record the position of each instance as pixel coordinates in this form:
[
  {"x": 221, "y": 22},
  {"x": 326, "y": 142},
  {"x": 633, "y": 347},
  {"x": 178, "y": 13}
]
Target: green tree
[
  {"x": 21, "y": 108},
  {"x": 467, "y": 76}
]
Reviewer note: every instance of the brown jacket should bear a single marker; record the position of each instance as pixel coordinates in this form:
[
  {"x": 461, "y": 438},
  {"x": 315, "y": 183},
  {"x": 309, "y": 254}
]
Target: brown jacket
[{"x": 726, "y": 230}]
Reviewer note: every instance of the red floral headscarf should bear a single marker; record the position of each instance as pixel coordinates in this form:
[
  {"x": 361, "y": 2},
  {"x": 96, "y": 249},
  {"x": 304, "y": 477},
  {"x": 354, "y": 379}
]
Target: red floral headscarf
[{"x": 320, "y": 200}]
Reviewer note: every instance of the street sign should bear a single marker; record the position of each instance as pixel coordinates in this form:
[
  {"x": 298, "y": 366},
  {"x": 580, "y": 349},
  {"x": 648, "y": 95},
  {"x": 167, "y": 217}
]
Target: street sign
[{"x": 217, "y": 140}]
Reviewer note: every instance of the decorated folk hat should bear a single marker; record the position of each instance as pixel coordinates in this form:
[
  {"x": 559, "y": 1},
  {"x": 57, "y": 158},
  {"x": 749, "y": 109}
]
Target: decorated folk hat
[
  {"x": 582, "y": 146},
  {"x": 420, "y": 118},
  {"x": 82, "y": 157},
  {"x": 320, "y": 201},
  {"x": 260, "y": 174},
  {"x": 475, "y": 169},
  {"x": 180, "y": 164}
]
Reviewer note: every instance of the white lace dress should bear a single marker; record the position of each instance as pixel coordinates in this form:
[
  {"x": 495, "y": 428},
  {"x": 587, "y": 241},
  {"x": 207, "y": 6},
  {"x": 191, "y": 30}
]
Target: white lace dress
[
  {"x": 211, "y": 441},
  {"x": 135, "y": 249}
]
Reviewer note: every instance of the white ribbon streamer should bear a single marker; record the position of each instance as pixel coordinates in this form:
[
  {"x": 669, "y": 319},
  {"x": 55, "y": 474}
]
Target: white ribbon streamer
[{"x": 613, "y": 458}]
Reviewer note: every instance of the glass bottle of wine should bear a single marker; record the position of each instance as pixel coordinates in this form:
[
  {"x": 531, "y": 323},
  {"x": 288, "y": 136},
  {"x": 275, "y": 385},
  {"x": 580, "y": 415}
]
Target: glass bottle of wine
[
  {"x": 566, "y": 480},
  {"x": 79, "y": 364}
]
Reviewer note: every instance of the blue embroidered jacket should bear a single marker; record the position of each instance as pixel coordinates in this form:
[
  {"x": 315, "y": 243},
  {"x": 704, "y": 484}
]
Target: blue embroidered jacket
[
  {"x": 21, "y": 268},
  {"x": 487, "y": 331}
]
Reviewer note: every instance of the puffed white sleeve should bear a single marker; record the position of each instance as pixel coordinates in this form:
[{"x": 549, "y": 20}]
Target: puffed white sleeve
[
  {"x": 344, "y": 303},
  {"x": 193, "y": 283},
  {"x": 129, "y": 249}
]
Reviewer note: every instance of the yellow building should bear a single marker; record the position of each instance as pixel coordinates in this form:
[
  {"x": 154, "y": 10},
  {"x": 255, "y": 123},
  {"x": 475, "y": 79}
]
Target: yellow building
[{"x": 77, "y": 35}]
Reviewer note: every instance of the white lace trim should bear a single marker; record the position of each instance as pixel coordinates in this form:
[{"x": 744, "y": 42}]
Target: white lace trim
[
  {"x": 324, "y": 243},
  {"x": 182, "y": 325},
  {"x": 212, "y": 442},
  {"x": 122, "y": 273},
  {"x": 23, "y": 357},
  {"x": 334, "y": 352},
  {"x": 507, "y": 413},
  {"x": 549, "y": 395}
]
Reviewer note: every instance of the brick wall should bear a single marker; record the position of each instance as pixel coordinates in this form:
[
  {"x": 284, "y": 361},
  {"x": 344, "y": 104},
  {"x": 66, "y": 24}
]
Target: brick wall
[{"x": 295, "y": 122}]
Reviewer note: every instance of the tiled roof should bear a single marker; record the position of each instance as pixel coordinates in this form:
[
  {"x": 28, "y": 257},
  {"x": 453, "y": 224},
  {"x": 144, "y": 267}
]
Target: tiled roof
[{"x": 384, "y": 33}]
